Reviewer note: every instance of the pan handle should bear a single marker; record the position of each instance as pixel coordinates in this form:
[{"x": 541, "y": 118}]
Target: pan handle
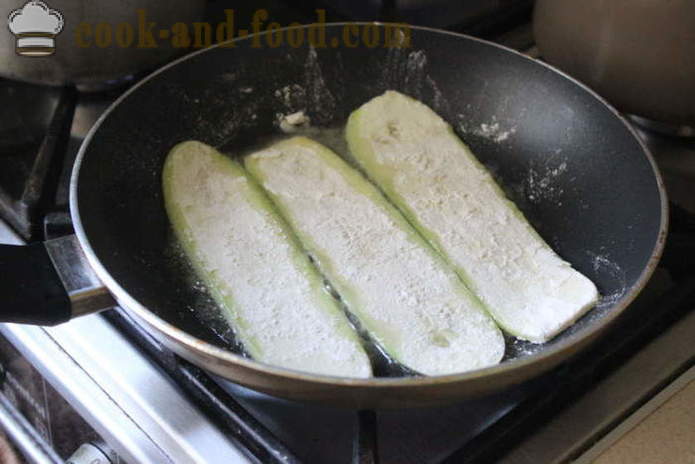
[{"x": 48, "y": 283}]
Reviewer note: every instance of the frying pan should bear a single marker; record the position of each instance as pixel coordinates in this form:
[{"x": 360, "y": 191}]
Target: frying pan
[{"x": 572, "y": 164}]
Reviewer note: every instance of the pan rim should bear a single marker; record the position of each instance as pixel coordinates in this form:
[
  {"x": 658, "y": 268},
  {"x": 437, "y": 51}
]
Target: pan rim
[{"x": 218, "y": 354}]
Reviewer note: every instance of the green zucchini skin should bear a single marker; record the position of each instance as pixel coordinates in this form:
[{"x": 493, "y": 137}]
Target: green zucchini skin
[
  {"x": 253, "y": 266},
  {"x": 423, "y": 167},
  {"x": 408, "y": 299}
]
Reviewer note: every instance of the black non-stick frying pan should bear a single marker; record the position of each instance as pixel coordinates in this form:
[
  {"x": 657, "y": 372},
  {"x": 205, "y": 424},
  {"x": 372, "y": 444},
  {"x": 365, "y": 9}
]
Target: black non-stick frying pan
[{"x": 571, "y": 163}]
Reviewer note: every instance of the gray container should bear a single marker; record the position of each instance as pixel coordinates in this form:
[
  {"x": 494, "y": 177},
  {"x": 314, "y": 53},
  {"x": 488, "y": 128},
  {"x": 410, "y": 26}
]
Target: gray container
[
  {"x": 639, "y": 54},
  {"x": 89, "y": 43}
]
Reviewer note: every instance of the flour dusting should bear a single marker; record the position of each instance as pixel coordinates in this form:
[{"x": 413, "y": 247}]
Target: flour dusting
[
  {"x": 492, "y": 130},
  {"x": 320, "y": 102},
  {"x": 415, "y": 74},
  {"x": 291, "y": 96},
  {"x": 601, "y": 264},
  {"x": 311, "y": 95},
  {"x": 407, "y": 71},
  {"x": 540, "y": 184}
]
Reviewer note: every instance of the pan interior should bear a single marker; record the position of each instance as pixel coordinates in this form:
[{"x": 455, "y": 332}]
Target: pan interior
[{"x": 573, "y": 168}]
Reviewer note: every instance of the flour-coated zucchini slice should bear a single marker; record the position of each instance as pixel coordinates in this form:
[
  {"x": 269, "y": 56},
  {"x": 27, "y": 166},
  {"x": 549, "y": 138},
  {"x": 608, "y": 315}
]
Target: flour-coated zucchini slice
[{"x": 433, "y": 178}]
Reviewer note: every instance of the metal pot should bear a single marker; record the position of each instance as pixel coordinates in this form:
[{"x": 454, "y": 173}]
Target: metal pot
[
  {"x": 89, "y": 43},
  {"x": 638, "y": 54}
]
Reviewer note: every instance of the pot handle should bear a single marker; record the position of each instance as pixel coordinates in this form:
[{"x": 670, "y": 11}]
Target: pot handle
[{"x": 48, "y": 283}]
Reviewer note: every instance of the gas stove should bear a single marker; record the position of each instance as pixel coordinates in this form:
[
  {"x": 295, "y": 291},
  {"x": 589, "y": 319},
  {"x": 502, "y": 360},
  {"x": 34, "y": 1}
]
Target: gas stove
[{"x": 101, "y": 388}]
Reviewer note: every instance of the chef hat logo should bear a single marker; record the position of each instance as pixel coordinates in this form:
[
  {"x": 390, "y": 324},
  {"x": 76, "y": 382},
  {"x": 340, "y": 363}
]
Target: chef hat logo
[{"x": 36, "y": 26}]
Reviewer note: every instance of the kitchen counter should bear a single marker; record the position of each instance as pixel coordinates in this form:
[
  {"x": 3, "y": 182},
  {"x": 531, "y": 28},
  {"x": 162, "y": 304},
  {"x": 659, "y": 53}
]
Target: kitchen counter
[{"x": 665, "y": 435}]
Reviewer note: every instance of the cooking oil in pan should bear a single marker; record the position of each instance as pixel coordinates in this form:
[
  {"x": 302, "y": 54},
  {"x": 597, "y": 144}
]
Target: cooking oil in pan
[{"x": 197, "y": 298}]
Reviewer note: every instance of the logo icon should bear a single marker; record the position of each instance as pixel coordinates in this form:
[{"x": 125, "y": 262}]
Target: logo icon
[{"x": 36, "y": 26}]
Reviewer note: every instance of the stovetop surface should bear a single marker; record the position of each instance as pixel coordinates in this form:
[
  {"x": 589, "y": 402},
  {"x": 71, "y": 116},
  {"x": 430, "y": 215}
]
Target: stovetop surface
[{"x": 485, "y": 428}]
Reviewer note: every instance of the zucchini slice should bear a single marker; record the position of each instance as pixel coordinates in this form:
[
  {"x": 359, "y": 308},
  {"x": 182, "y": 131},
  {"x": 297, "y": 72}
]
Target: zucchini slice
[
  {"x": 402, "y": 292},
  {"x": 433, "y": 178},
  {"x": 256, "y": 271}
]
